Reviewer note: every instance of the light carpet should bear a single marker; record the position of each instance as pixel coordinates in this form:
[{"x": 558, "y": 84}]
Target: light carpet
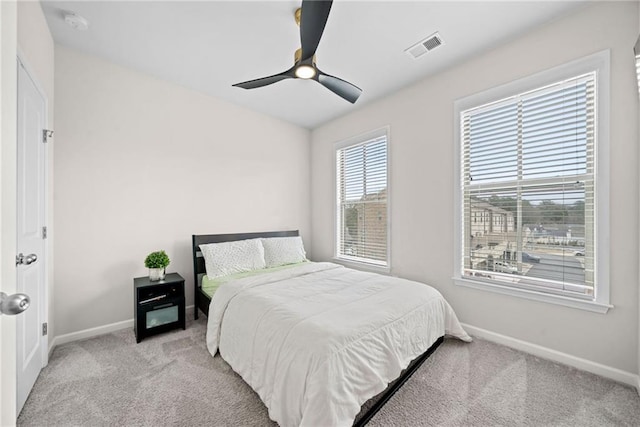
[{"x": 171, "y": 379}]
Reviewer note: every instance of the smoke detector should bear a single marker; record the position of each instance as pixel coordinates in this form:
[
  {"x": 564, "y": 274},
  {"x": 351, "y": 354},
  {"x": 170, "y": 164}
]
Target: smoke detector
[
  {"x": 424, "y": 46},
  {"x": 76, "y": 21}
]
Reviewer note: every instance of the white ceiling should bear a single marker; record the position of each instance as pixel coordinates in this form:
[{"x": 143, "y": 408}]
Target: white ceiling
[{"x": 210, "y": 45}]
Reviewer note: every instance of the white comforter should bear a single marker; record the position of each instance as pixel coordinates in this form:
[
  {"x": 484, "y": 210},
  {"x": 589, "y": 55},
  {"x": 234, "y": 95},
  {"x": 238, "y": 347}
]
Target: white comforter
[{"x": 317, "y": 341}]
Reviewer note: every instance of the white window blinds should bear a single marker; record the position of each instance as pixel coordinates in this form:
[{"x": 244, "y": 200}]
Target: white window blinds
[
  {"x": 638, "y": 66},
  {"x": 528, "y": 189},
  {"x": 636, "y": 49},
  {"x": 362, "y": 214}
]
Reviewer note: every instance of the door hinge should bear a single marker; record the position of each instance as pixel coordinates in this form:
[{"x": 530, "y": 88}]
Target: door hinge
[
  {"x": 44, "y": 232},
  {"x": 44, "y": 328},
  {"x": 46, "y": 134}
]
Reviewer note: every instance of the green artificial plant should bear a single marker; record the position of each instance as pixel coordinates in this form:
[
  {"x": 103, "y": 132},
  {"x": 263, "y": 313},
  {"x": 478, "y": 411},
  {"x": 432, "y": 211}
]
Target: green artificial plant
[{"x": 158, "y": 259}]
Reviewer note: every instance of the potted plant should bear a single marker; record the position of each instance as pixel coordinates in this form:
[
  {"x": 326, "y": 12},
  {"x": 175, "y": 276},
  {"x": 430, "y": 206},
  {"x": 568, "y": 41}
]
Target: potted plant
[{"x": 156, "y": 262}]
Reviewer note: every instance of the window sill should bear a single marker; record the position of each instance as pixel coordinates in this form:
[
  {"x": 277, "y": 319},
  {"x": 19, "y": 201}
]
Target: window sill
[
  {"x": 382, "y": 269},
  {"x": 593, "y": 306}
]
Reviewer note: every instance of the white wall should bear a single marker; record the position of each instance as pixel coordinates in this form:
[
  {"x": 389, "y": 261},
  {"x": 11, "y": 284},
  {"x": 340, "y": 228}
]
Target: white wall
[
  {"x": 36, "y": 47},
  {"x": 421, "y": 184},
  {"x": 141, "y": 165}
]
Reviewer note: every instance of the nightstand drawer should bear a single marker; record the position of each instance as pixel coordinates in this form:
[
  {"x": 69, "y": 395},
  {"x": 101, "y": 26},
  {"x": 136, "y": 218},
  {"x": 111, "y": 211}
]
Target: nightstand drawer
[{"x": 162, "y": 314}]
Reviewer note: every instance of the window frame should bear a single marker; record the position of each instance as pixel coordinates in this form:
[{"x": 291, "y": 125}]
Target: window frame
[
  {"x": 349, "y": 142},
  {"x": 600, "y": 63}
]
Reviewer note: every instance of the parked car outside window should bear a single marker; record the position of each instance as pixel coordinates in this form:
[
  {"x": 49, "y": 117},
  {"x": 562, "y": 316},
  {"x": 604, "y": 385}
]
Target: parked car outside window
[
  {"x": 503, "y": 267},
  {"x": 527, "y": 257}
]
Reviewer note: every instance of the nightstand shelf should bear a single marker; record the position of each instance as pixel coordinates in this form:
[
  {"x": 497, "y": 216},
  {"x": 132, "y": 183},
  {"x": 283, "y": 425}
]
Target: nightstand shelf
[{"x": 158, "y": 306}]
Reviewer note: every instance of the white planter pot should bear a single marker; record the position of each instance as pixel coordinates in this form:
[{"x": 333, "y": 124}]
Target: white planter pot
[{"x": 156, "y": 274}]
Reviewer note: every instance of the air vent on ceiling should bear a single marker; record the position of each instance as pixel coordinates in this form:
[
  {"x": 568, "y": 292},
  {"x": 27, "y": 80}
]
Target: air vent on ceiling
[{"x": 424, "y": 46}]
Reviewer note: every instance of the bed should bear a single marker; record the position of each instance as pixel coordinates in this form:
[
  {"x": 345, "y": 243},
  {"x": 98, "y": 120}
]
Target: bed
[
  {"x": 317, "y": 341},
  {"x": 202, "y": 298}
]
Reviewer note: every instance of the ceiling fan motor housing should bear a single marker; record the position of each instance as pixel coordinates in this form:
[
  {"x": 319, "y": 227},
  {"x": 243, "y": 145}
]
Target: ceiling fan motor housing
[{"x": 297, "y": 58}]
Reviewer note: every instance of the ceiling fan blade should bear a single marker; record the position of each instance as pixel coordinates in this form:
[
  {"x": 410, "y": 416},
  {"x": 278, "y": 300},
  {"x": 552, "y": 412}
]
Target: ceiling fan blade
[
  {"x": 313, "y": 19},
  {"x": 264, "y": 81},
  {"x": 340, "y": 87}
]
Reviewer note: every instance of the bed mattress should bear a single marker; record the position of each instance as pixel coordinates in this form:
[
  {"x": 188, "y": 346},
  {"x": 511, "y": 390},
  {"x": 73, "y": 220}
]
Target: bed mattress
[{"x": 317, "y": 340}]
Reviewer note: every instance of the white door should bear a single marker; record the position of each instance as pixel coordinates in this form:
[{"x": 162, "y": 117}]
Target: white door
[
  {"x": 8, "y": 86},
  {"x": 31, "y": 354}
]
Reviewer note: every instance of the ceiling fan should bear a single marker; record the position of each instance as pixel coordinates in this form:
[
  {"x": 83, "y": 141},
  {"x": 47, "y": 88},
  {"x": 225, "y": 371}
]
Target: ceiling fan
[{"x": 312, "y": 18}]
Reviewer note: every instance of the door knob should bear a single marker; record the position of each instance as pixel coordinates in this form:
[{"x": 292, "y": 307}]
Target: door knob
[
  {"x": 13, "y": 304},
  {"x": 26, "y": 260}
]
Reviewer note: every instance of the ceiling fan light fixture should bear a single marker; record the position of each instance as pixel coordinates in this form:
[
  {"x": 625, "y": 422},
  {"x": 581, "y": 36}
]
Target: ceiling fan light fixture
[{"x": 305, "y": 72}]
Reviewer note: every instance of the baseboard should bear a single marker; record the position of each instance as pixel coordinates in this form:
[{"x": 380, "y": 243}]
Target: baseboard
[
  {"x": 99, "y": 330},
  {"x": 557, "y": 356}
]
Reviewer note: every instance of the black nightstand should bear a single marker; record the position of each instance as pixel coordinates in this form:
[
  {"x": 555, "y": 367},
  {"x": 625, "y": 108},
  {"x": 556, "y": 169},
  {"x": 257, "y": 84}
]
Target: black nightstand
[{"x": 158, "y": 306}]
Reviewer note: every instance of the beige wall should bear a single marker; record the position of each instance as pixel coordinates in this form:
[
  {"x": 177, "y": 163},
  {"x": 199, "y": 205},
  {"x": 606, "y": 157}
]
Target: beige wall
[
  {"x": 36, "y": 49},
  {"x": 421, "y": 189},
  {"x": 141, "y": 165}
]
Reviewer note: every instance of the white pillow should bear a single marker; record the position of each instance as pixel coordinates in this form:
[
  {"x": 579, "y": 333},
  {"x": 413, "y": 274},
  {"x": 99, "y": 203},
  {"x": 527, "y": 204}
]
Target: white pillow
[
  {"x": 223, "y": 259},
  {"x": 283, "y": 250}
]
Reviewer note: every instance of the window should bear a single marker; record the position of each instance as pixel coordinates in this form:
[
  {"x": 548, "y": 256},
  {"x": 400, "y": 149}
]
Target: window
[
  {"x": 362, "y": 212},
  {"x": 528, "y": 163}
]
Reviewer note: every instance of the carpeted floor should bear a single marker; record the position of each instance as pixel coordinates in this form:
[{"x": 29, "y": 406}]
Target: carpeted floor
[{"x": 171, "y": 379}]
